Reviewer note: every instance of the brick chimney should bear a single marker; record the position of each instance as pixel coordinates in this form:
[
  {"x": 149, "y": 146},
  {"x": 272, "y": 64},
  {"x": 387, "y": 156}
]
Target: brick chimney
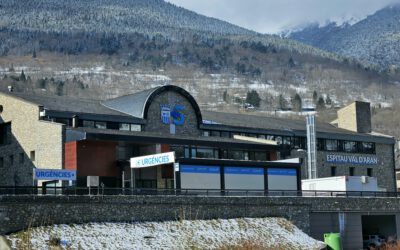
[{"x": 355, "y": 117}]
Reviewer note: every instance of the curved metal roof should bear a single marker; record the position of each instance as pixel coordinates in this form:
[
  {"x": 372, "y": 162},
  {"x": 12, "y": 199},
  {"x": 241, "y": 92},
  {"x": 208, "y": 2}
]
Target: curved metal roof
[{"x": 137, "y": 104}]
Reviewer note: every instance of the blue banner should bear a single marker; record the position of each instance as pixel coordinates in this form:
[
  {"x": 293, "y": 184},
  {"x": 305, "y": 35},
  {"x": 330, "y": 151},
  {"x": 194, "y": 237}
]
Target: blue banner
[
  {"x": 243, "y": 170},
  {"x": 282, "y": 171},
  {"x": 54, "y": 174},
  {"x": 199, "y": 169}
]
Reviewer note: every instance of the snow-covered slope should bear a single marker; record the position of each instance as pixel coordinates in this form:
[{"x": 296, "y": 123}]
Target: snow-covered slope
[
  {"x": 375, "y": 39},
  {"x": 260, "y": 233}
]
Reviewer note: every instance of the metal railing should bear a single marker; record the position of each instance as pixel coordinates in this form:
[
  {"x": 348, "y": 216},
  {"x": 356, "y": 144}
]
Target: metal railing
[{"x": 99, "y": 191}]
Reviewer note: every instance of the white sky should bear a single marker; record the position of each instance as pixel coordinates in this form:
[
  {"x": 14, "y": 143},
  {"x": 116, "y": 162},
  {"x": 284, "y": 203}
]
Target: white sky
[{"x": 272, "y": 16}]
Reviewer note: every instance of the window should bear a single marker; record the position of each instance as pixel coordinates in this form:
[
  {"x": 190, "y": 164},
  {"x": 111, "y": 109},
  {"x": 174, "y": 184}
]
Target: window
[
  {"x": 369, "y": 172},
  {"x": 215, "y": 133},
  {"x": 5, "y": 133},
  {"x": 333, "y": 171},
  {"x": 368, "y": 147},
  {"x": 206, "y": 133},
  {"x": 136, "y": 127},
  {"x": 1, "y": 162},
  {"x": 351, "y": 171},
  {"x": 32, "y": 155},
  {"x": 350, "y": 146},
  {"x": 88, "y": 124},
  {"x": 331, "y": 145},
  {"x": 225, "y": 134},
  {"x": 102, "y": 125},
  {"x": 21, "y": 158},
  {"x": 11, "y": 160},
  {"x": 205, "y": 153},
  {"x": 124, "y": 126},
  {"x": 321, "y": 144}
]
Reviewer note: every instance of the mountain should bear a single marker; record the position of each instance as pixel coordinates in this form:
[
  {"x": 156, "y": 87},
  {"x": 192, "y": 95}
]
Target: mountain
[{"x": 375, "y": 39}]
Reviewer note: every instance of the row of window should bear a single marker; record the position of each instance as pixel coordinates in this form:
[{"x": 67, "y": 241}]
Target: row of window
[
  {"x": 351, "y": 171},
  {"x": 21, "y": 159},
  {"x": 301, "y": 142},
  {"x": 214, "y": 153},
  {"x": 100, "y": 124},
  {"x": 346, "y": 146}
]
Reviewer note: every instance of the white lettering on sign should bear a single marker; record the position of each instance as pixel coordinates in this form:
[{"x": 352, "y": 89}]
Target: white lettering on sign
[
  {"x": 54, "y": 174},
  {"x": 351, "y": 159},
  {"x": 152, "y": 160}
]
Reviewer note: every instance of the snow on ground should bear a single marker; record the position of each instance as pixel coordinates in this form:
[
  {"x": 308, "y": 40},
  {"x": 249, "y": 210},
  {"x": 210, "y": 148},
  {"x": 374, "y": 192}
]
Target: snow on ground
[{"x": 263, "y": 233}]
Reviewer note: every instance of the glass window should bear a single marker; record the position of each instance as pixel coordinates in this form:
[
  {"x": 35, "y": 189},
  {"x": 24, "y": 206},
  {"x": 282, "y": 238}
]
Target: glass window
[
  {"x": 287, "y": 140},
  {"x": 102, "y": 125},
  {"x": 113, "y": 125},
  {"x": 321, "y": 144},
  {"x": 206, "y": 133},
  {"x": 11, "y": 160},
  {"x": 368, "y": 147},
  {"x": 278, "y": 139},
  {"x": 88, "y": 124},
  {"x": 187, "y": 155},
  {"x": 215, "y": 133},
  {"x": 260, "y": 156},
  {"x": 136, "y": 127},
  {"x": 205, "y": 153},
  {"x": 369, "y": 172},
  {"x": 235, "y": 154},
  {"x": 261, "y": 136},
  {"x": 225, "y": 134},
  {"x": 351, "y": 171},
  {"x": 124, "y": 126},
  {"x": 32, "y": 155},
  {"x": 350, "y": 146},
  {"x": 5, "y": 133},
  {"x": 331, "y": 145},
  {"x": 333, "y": 171}
]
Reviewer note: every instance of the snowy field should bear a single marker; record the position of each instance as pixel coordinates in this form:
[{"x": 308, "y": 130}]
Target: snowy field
[{"x": 258, "y": 233}]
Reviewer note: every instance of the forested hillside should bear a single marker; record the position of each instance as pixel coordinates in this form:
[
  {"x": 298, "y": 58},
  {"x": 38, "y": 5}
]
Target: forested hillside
[
  {"x": 106, "y": 48},
  {"x": 376, "y": 39}
]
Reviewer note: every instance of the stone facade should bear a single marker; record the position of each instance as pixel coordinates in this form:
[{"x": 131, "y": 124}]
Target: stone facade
[
  {"x": 31, "y": 138},
  {"x": 383, "y": 171},
  {"x": 170, "y": 98}
]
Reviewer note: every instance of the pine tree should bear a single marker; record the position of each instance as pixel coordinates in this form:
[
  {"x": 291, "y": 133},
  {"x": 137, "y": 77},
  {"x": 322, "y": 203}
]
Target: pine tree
[
  {"x": 296, "y": 103},
  {"x": 22, "y": 77},
  {"x": 253, "y": 98},
  {"x": 320, "y": 103},
  {"x": 315, "y": 97}
]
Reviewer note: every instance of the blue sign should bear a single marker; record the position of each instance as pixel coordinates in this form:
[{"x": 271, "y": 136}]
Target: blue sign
[
  {"x": 178, "y": 118},
  {"x": 282, "y": 171},
  {"x": 54, "y": 174},
  {"x": 199, "y": 169},
  {"x": 241, "y": 170},
  {"x": 165, "y": 114},
  {"x": 351, "y": 159}
]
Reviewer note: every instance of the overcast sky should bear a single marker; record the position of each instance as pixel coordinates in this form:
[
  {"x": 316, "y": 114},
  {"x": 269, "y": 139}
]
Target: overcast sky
[{"x": 272, "y": 16}]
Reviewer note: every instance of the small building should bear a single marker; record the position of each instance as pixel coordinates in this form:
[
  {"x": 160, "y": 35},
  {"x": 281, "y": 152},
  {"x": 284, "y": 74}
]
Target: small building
[{"x": 98, "y": 138}]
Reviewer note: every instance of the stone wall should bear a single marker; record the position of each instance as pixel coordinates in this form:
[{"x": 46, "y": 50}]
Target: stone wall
[
  {"x": 29, "y": 134},
  {"x": 170, "y": 98},
  {"x": 18, "y": 212}
]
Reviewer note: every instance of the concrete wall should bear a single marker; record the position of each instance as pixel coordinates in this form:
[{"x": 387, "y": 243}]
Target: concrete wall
[{"x": 28, "y": 134}]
